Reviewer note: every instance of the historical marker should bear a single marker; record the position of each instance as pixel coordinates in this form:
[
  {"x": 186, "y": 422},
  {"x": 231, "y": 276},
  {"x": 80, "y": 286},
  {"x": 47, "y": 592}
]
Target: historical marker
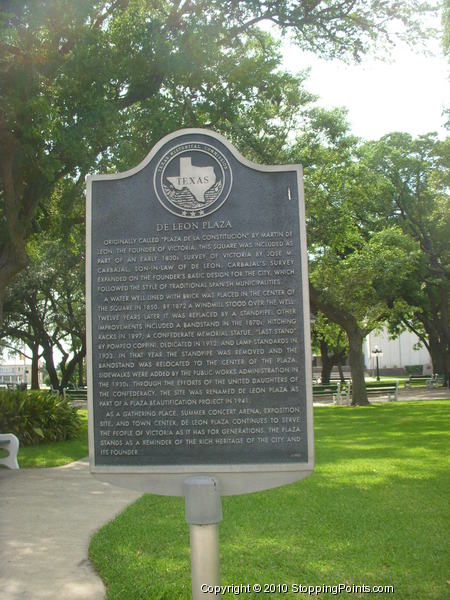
[{"x": 198, "y": 320}]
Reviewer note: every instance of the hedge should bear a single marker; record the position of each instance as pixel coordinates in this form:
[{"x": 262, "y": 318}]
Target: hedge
[
  {"x": 414, "y": 369},
  {"x": 36, "y": 417}
]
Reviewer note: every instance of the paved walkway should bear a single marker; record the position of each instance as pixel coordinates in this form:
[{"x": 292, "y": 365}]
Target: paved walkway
[
  {"x": 47, "y": 517},
  {"x": 422, "y": 394},
  {"x": 403, "y": 396}
]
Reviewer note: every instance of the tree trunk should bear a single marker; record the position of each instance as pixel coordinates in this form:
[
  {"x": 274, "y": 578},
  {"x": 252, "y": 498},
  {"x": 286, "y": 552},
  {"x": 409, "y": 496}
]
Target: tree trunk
[
  {"x": 35, "y": 367},
  {"x": 356, "y": 358},
  {"x": 8, "y": 269},
  {"x": 13, "y": 256},
  {"x": 69, "y": 369},
  {"x": 2, "y": 298},
  {"x": 80, "y": 374},
  {"x": 355, "y": 337},
  {"x": 440, "y": 358},
  {"x": 327, "y": 362},
  {"x": 327, "y": 367},
  {"x": 436, "y": 325},
  {"x": 50, "y": 366}
]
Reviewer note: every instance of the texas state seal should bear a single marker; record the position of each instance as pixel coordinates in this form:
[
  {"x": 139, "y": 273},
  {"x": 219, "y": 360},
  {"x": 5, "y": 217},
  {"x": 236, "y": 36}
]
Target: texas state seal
[{"x": 193, "y": 180}]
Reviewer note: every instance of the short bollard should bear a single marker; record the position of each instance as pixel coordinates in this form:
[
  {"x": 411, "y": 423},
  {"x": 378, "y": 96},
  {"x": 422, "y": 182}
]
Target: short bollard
[{"x": 203, "y": 513}]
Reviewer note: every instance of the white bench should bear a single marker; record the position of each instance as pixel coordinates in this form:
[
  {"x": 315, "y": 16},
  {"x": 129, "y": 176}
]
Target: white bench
[{"x": 10, "y": 443}]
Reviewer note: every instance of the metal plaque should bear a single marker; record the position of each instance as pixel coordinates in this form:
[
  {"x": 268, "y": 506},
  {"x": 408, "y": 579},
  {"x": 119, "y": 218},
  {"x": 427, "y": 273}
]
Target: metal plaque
[{"x": 199, "y": 357}]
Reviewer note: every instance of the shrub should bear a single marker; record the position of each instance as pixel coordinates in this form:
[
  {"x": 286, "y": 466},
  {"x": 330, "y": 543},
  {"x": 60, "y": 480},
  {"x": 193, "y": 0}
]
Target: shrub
[
  {"x": 36, "y": 417},
  {"x": 414, "y": 369}
]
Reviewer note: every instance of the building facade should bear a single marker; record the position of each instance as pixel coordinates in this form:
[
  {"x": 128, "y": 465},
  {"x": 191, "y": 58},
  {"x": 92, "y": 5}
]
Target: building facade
[
  {"x": 404, "y": 351},
  {"x": 13, "y": 374}
]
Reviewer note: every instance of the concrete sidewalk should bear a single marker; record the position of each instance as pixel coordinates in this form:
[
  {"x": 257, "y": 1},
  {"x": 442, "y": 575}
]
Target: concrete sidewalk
[
  {"x": 47, "y": 517},
  {"x": 404, "y": 395}
]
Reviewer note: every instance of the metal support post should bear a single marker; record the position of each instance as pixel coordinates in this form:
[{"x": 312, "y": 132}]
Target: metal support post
[{"x": 203, "y": 513}]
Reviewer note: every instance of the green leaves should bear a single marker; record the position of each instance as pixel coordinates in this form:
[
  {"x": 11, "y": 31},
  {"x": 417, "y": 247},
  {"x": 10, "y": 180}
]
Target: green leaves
[
  {"x": 378, "y": 229},
  {"x": 36, "y": 417},
  {"x": 417, "y": 200}
]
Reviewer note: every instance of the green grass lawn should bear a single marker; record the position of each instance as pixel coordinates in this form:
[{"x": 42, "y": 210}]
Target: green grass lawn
[
  {"x": 56, "y": 454},
  {"x": 375, "y": 512}
]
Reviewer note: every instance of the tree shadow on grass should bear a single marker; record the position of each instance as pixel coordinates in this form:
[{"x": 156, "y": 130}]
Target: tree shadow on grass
[
  {"x": 397, "y": 430},
  {"x": 373, "y": 513}
]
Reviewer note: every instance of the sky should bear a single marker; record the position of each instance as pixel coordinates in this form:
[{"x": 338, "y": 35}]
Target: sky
[{"x": 408, "y": 93}]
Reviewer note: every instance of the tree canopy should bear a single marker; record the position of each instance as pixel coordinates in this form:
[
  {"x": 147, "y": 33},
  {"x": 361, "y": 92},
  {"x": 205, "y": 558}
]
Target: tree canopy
[
  {"x": 415, "y": 198},
  {"x": 362, "y": 261},
  {"x": 84, "y": 82},
  {"x": 91, "y": 85},
  {"x": 45, "y": 308}
]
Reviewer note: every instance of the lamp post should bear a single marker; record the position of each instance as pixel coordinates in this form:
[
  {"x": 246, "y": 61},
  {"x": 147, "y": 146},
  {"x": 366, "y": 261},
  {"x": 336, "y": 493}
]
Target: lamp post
[{"x": 377, "y": 352}]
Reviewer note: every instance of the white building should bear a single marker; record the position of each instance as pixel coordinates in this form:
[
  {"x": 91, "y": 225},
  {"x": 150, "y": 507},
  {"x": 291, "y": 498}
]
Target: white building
[
  {"x": 396, "y": 354},
  {"x": 16, "y": 373}
]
